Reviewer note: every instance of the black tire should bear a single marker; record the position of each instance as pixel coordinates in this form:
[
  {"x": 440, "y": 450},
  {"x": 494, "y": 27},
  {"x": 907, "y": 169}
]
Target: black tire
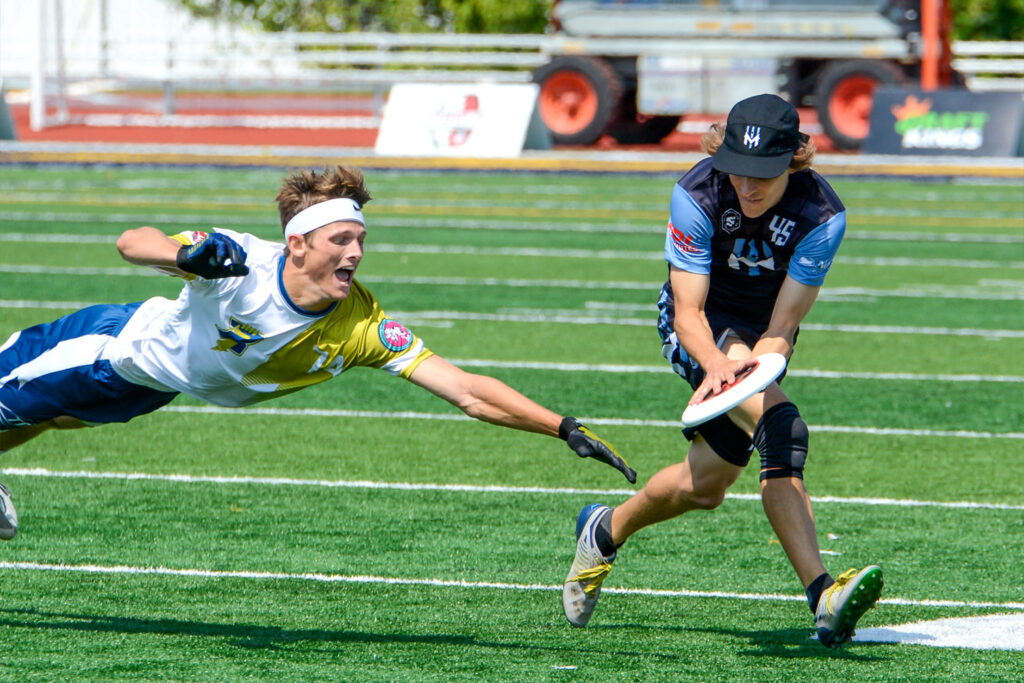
[
  {"x": 834, "y": 80},
  {"x": 577, "y": 126},
  {"x": 643, "y": 130}
]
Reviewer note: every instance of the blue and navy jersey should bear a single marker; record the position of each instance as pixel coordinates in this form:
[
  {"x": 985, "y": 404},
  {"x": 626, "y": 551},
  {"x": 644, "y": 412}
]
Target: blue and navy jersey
[{"x": 748, "y": 258}]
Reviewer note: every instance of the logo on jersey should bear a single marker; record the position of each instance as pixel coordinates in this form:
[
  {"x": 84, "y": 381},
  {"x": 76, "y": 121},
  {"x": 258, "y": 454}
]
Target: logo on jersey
[
  {"x": 8, "y": 418},
  {"x": 752, "y": 137},
  {"x": 821, "y": 266},
  {"x": 781, "y": 229},
  {"x": 682, "y": 241},
  {"x": 731, "y": 220},
  {"x": 393, "y": 335},
  {"x": 751, "y": 256},
  {"x": 238, "y": 338}
]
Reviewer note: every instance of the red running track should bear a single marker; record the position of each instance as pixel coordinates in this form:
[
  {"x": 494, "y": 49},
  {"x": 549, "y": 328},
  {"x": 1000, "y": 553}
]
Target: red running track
[{"x": 91, "y": 122}]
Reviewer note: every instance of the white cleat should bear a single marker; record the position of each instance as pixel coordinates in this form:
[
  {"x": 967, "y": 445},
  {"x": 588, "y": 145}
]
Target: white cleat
[
  {"x": 8, "y": 515},
  {"x": 843, "y": 603},
  {"x": 589, "y": 568}
]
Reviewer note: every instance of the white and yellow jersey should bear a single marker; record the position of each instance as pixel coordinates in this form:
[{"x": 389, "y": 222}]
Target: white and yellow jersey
[{"x": 240, "y": 340}]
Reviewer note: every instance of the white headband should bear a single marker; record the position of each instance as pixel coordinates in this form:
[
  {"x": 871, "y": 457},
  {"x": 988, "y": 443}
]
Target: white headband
[{"x": 324, "y": 213}]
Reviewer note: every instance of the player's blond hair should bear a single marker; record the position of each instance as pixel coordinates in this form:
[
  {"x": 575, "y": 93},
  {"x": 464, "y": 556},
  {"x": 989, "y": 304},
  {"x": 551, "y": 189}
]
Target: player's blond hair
[
  {"x": 802, "y": 159},
  {"x": 303, "y": 189}
]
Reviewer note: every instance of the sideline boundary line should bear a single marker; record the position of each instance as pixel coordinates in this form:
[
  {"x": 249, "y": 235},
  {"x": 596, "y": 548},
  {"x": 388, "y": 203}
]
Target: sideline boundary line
[
  {"x": 453, "y": 583},
  {"x": 460, "y": 488}
]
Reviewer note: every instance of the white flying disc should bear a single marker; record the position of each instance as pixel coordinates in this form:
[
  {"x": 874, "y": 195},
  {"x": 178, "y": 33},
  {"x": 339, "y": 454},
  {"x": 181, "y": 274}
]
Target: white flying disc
[{"x": 769, "y": 367}]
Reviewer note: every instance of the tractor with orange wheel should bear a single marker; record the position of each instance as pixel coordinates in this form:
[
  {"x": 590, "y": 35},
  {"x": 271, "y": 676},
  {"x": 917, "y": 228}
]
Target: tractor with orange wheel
[{"x": 830, "y": 54}]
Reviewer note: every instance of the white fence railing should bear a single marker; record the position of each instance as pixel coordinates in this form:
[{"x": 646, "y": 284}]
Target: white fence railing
[
  {"x": 990, "y": 65},
  {"x": 236, "y": 57},
  {"x": 230, "y": 58}
]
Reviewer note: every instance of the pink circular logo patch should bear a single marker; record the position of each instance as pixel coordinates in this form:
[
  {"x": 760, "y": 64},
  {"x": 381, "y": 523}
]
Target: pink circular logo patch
[{"x": 393, "y": 335}]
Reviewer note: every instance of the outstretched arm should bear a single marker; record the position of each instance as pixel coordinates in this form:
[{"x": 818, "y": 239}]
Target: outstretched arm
[
  {"x": 484, "y": 398},
  {"x": 214, "y": 256},
  {"x": 148, "y": 246},
  {"x": 490, "y": 400}
]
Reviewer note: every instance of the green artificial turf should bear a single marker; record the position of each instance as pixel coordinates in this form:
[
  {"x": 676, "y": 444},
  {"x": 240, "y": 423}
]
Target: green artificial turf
[{"x": 391, "y": 547}]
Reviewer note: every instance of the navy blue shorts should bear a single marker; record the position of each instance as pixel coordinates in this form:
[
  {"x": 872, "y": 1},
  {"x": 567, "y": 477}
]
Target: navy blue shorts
[
  {"x": 723, "y": 435},
  {"x": 57, "y": 369},
  {"x": 674, "y": 353}
]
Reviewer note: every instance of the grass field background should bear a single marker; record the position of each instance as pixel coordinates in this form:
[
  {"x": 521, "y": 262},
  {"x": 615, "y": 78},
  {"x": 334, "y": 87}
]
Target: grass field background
[{"x": 360, "y": 530}]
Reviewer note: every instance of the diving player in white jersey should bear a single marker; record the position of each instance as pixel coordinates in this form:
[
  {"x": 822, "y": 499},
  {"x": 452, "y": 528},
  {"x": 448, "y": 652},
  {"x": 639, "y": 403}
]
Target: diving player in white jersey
[
  {"x": 255, "y": 320},
  {"x": 752, "y": 234}
]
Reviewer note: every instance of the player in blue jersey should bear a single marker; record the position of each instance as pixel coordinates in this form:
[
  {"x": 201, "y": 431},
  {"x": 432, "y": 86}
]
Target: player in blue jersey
[
  {"x": 753, "y": 232},
  {"x": 256, "y": 319}
]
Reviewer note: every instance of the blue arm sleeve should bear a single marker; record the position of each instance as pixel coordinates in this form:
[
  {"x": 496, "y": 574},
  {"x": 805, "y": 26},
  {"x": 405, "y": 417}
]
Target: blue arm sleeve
[
  {"x": 812, "y": 258},
  {"x": 688, "y": 238}
]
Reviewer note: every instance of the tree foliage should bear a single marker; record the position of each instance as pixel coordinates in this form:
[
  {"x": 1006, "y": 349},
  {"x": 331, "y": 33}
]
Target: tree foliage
[
  {"x": 972, "y": 19},
  {"x": 988, "y": 19},
  {"x": 398, "y": 16}
]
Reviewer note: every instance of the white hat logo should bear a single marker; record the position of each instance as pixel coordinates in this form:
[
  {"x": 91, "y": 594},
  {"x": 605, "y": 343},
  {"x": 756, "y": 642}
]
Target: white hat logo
[{"x": 752, "y": 137}]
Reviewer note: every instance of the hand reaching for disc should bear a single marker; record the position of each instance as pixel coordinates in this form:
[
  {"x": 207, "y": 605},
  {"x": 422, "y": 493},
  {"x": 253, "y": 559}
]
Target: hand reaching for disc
[
  {"x": 749, "y": 377},
  {"x": 722, "y": 376}
]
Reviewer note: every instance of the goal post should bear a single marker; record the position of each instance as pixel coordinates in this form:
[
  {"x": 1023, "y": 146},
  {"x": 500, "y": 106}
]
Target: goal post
[{"x": 49, "y": 43}]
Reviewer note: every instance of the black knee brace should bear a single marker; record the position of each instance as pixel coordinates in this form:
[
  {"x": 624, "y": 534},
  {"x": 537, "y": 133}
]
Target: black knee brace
[{"x": 781, "y": 438}]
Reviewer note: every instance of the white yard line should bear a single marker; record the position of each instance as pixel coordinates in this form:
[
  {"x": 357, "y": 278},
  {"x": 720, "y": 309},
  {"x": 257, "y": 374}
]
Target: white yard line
[
  {"x": 412, "y": 318},
  {"x": 964, "y": 292},
  {"x": 538, "y": 252},
  {"x": 501, "y": 201},
  {"x": 266, "y": 220},
  {"x": 621, "y": 422},
  {"x": 665, "y": 369},
  {"x": 449, "y": 583},
  {"x": 461, "y": 488}
]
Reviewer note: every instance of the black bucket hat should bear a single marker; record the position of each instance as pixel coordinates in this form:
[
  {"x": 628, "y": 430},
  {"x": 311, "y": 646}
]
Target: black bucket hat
[{"x": 761, "y": 135}]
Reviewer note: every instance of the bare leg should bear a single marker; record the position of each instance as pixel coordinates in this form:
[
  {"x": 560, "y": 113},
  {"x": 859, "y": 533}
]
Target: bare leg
[
  {"x": 15, "y": 437},
  {"x": 788, "y": 508},
  {"x": 698, "y": 483}
]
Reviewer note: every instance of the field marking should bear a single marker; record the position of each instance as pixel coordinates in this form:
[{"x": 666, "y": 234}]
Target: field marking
[
  {"x": 644, "y": 202},
  {"x": 46, "y": 305},
  {"x": 387, "y": 182},
  {"x": 464, "y": 488},
  {"x": 539, "y": 252},
  {"x": 990, "y": 632},
  {"x": 412, "y": 318},
  {"x": 655, "y": 228},
  {"x": 610, "y": 421},
  {"x": 458, "y": 583},
  {"x": 963, "y": 292},
  {"x": 422, "y": 200},
  {"x": 664, "y": 369}
]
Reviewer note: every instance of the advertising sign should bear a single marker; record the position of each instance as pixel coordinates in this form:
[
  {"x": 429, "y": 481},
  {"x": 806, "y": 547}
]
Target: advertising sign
[
  {"x": 461, "y": 120},
  {"x": 946, "y": 122}
]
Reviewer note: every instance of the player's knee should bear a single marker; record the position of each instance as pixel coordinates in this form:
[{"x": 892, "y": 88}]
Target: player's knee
[
  {"x": 781, "y": 438},
  {"x": 67, "y": 422},
  {"x": 707, "y": 498},
  {"x": 707, "y": 491}
]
